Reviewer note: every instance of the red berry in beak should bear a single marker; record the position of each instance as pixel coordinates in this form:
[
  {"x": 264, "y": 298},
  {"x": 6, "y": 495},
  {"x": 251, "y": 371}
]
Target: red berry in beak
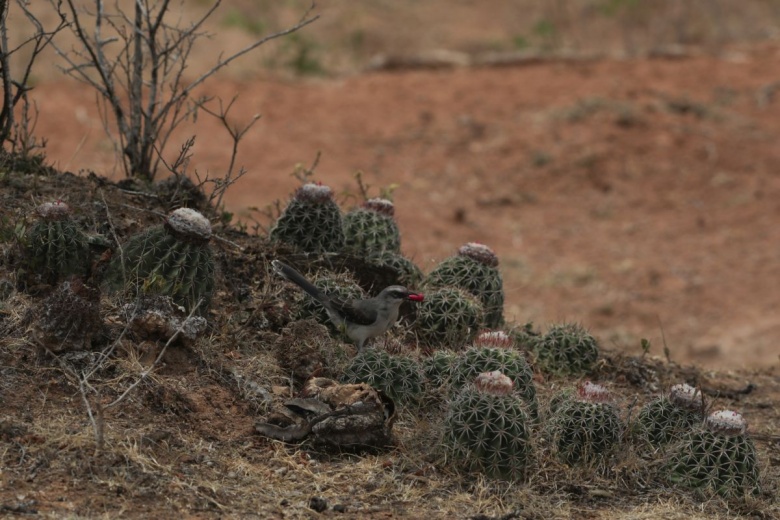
[{"x": 416, "y": 297}]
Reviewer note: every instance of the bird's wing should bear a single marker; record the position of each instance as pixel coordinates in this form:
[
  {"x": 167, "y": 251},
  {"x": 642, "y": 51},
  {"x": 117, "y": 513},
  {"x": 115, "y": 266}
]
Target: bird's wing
[{"x": 359, "y": 312}]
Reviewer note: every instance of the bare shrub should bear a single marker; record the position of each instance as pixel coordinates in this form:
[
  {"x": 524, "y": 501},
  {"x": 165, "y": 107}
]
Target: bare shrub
[
  {"x": 16, "y": 130},
  {"x": 136, "y": 61}
]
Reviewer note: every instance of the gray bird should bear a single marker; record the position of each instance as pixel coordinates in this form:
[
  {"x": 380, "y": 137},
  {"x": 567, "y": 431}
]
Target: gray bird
[{"x": 361, "y": 320}]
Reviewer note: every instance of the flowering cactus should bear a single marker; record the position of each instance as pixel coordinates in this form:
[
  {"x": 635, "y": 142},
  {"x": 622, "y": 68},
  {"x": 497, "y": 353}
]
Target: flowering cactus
[
  {"x": 716, "y": 457},
  {"x": 173, "y": 259},
  {"x": 477, "y": 360},
  {"x": 584, "y": 425},
  {"x": 487, "y": 429},
  {"x": 371, "y": 229},
  {"x": 666, "y": 418},
  {"x": 54, "y": 246},
  {"x": 475, "y": 270},
  {"x": 311, "y": 222}
]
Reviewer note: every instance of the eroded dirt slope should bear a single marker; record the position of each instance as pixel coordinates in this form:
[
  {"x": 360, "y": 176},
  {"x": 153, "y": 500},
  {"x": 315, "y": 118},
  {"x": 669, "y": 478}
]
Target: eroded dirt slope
[{"x": 638, "y": 197}]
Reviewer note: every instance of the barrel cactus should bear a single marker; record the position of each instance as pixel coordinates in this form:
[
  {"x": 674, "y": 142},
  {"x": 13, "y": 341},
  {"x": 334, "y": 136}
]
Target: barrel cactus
[
  {"x": 567, "y": 349},
  {"x": 408, "y": 274},
  {"x": 371, "y": 228},
  {"x": 439, "y": 368},
  {"x": 478, "y": 359},
  {"x": 173, "y": 259},
  {"x": 448, "y": 316},
  {"x": 586, "y": 426},
  {"x": 54, "y": 246},
  {"x": 667, "y": 418},
  {"x": 311, "y": 222},
  {"x": 399, "y": 377},
  {"x": 68, "y": 318},
  {"x": 475, "y": 270},
  {"x": 487, "y": 428},
  {"x": 717, "y": 457}
]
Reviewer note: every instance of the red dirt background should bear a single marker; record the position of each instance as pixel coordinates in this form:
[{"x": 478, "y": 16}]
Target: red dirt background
[{"x": 637, "y": 196}]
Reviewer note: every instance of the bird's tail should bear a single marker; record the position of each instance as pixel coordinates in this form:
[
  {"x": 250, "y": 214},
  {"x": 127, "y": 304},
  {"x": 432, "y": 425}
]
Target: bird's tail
[{"x": 298, "y": 279}]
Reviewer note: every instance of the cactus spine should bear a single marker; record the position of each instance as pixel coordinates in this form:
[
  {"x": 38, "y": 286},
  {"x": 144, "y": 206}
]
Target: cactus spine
[
  {"x": 448, "y": 316},
  {"x": 371, "y": 229},
  {"x": 669, "y": 417},
  {"x": 399, "y": 377},
  {"x": 55, "y": 247},
  {"x": 585, "y": 426},
  {"x": 439, "y": 368},
  {"x": 475, "y": 270},
  {"x": 68, "y": 318},
  {"x": 487, "y": 429},
  {"x": 173, "y": 259},
  {"x": 479, "y": 359},
  {"x": 717, "y": 457},
  {"x": 311, "y": 222},
  {"x": 567, "y": 349}
]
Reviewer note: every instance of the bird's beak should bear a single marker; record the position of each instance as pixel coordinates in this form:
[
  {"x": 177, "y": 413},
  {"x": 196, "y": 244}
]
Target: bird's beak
[{"x": 416, "y": 297}]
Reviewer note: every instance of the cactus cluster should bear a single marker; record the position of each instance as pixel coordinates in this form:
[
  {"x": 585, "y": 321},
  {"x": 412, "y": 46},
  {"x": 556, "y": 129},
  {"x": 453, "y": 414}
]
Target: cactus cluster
[
  {"x": 717, "y": 457},
  {"x": 448, "y": 316},
  {"x": 585, "y": 426},
  {"x": 371, "y": 229},
  {"x": 475, "y": 270},
  {"x": 567, "y": 349},
  {"x": 311, "y": 222},
  {"x": 478, "y": 359},
  {"x": 669, "y": 417},
  {"x": 54, "y": 246},
  {"x": 487, "y": 428},
  {"x": 399, "y": 377},
  {"x": 173, "y": 259}
]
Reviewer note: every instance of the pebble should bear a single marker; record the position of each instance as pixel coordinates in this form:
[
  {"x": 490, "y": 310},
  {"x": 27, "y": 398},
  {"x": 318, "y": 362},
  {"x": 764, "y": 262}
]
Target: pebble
[{"x": 318, "y": 504}]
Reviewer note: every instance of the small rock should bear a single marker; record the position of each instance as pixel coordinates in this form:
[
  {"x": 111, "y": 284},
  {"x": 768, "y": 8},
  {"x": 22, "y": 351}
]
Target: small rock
[
  {"x": 318, "y": 504},
  {"x": 6, "y": 289}
]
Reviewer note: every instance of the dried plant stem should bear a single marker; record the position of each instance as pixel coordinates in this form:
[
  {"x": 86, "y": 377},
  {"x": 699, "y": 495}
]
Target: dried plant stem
[
  {"x": 157, "y": 360},
  {"x": 141, "y": 81}
]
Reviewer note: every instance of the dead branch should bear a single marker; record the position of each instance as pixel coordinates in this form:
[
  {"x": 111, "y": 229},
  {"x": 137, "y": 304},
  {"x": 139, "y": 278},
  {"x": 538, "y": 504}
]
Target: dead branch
[
  {"x": 15, "y": 87},
  {"x": 142, "y": 80},
  {"x": 236, "y": 134}
]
